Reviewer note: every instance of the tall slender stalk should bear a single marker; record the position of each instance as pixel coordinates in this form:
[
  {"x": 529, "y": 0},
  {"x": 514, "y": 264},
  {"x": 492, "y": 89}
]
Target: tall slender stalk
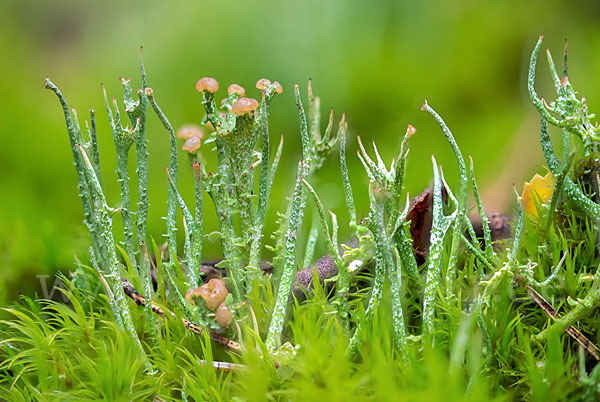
[
  {"x": 462, "y": 199},
  {"x": 285, "y": 285},
  {"x": 439, "y": 228}
]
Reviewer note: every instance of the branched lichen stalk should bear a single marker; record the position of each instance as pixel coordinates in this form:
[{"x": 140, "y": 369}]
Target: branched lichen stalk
[
  {"x": 571, "y": 190},
  {"x": 462, "y": 199},
  {"x": 113, "y": 270},
  {"x": 240, "y": 145},
  {"x": 235, "y": 265},
  {"x": 172, "y": 200},
  {"x": 263, "y": 193},
  {"x": 76, "y": 140},
  {"x": 399, "y": 171},
  {"x": 142, "y": 204},
  {"x": 393, "y": 271},
  {"x": 558, "y": 189},
  {"x": 123, "y": 139},
  {"x": 537, "y": 102},
  {"x": 373, "y": 172}
]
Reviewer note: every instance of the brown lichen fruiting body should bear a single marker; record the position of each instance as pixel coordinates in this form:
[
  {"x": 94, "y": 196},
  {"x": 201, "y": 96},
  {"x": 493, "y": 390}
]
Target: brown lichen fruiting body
[
  {"x": 214, "y": 293},
  {"x": 190, "y": 130},
  {"x": 278, "y": 88},
  {"x": 192, "y": 144},
  {"x": 263, "y": 83},
  {"x": 236, "y": 88},
  {"x": 244, "y": 105},
  {"x": 207, "y": 84},
  {"x": 223, "y": 315}
]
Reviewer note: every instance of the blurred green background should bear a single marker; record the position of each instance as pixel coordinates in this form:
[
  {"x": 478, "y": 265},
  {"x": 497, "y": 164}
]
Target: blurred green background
[{"x": 374, "y": 60}]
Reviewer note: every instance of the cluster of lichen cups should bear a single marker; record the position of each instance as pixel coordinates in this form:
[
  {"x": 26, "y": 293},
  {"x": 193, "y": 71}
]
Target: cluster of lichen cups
[
  {"x": 214, "y": 293},
  {"x": 193, "y": 134}
]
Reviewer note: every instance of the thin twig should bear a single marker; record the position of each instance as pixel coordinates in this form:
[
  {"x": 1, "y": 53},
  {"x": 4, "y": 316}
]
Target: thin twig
[{"x": 571, "y": 330}]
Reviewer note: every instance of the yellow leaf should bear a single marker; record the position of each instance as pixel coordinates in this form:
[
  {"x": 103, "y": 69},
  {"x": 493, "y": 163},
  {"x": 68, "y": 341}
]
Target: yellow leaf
[{"x": 536, "y": 192}]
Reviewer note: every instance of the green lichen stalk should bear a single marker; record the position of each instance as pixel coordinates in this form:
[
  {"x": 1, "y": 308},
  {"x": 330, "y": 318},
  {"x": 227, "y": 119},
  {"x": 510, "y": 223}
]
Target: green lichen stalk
[
  {"x": 123, "y": 137},
  {"x": 462, "y": 198},
  {"x": 439, "y": 228},
  {"x": 138, "y": 110},
  {"x": 285, "y": 285}
]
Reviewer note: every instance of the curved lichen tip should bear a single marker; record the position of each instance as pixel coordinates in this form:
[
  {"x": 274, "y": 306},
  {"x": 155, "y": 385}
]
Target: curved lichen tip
[{"x": 47, "y": 82}]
